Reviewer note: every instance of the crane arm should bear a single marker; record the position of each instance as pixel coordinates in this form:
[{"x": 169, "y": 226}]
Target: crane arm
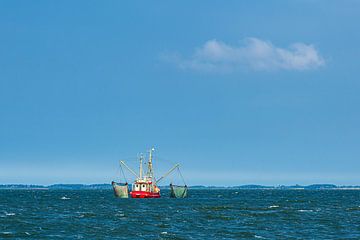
[
  {"x": 128, "y": 168},
  {"x": 168, "y": 172}
]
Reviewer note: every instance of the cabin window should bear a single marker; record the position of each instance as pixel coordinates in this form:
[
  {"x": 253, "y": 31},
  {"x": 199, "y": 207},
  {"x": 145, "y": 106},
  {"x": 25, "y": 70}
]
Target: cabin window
[
  {"x": 143, "y": 187},
  {"x": 137, "y": 187}
]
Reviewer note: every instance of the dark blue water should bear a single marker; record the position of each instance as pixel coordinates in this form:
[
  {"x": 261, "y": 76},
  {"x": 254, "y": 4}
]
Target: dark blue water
[{"x": 206, "y": 214}]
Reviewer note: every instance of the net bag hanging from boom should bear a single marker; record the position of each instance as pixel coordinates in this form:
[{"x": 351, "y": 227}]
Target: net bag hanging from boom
[
  {"x": 121, "y": 190},
  {"x": 177, "y": 191}
]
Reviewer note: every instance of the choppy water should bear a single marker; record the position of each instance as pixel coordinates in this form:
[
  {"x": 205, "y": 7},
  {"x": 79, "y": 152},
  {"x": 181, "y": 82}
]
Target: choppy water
[{"x": 206, "y": 214}]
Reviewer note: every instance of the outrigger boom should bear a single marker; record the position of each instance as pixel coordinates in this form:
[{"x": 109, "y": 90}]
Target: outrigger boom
[
  {"x": 170, "y": 171},
  {"x": 128, "y": 168}
]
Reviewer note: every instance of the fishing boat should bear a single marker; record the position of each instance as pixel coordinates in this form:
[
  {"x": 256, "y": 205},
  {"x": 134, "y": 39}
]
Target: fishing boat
[{"x": 145, "y": 184}]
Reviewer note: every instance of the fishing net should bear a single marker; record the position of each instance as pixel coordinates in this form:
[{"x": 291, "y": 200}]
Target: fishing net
[
  {"x": 121, "y": 190},
  {"x": 178, "y": 191}
]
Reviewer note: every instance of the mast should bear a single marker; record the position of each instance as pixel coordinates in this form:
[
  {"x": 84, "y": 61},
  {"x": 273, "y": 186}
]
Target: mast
[
  {"x": 150, "y": 168},
  {"x": 140, "y": 168}
]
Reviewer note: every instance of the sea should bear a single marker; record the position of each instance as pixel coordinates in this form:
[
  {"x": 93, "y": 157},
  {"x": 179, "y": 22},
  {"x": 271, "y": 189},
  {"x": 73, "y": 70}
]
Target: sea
[{"x": 205, "y": 214}]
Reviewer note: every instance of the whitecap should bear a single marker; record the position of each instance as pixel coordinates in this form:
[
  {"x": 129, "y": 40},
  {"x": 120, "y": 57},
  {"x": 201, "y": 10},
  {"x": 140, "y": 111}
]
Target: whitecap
[
  {"x": 64, "y": 198},
  {"x": 304, "y": 210},
  {"x": 273, "y": 206},
  {"x": 27, "y": 233},
  {"x": 10, "y": 214},
  {"x": 163, "y": 232},
  {"x": 6, "y": 233},
  {"x": 257, "y": 236}
]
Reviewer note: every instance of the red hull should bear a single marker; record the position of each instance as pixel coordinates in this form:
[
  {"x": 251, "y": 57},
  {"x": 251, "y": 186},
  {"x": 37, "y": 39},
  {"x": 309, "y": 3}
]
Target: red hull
[{"x": 142, "y": 194}]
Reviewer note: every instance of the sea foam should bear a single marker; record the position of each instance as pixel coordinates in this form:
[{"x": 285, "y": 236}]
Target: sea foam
[{"x": 273, "y": 206}]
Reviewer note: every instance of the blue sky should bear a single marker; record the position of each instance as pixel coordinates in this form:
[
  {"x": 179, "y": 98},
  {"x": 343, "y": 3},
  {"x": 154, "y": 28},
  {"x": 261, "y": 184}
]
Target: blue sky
[{"x": 263, "y": 92}]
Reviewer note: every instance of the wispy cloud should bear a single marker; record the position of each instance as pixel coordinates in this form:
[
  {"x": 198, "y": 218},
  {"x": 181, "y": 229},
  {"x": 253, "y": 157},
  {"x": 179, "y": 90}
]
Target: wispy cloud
[{"x": 254, "y": 54}]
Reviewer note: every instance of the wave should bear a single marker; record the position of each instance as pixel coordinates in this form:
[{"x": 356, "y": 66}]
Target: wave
[
  {"x": 260, "y": 237},
  {"x": 305, "y": 210},
  {"x": 273, "y": 206}
]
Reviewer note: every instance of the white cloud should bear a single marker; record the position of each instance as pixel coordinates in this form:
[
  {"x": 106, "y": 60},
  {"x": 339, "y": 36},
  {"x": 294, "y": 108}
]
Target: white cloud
[{"x": 254, "y": 54}]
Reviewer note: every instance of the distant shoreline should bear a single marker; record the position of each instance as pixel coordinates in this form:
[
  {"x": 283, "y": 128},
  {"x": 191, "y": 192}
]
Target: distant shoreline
[{"x": 109, "y": 187}]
